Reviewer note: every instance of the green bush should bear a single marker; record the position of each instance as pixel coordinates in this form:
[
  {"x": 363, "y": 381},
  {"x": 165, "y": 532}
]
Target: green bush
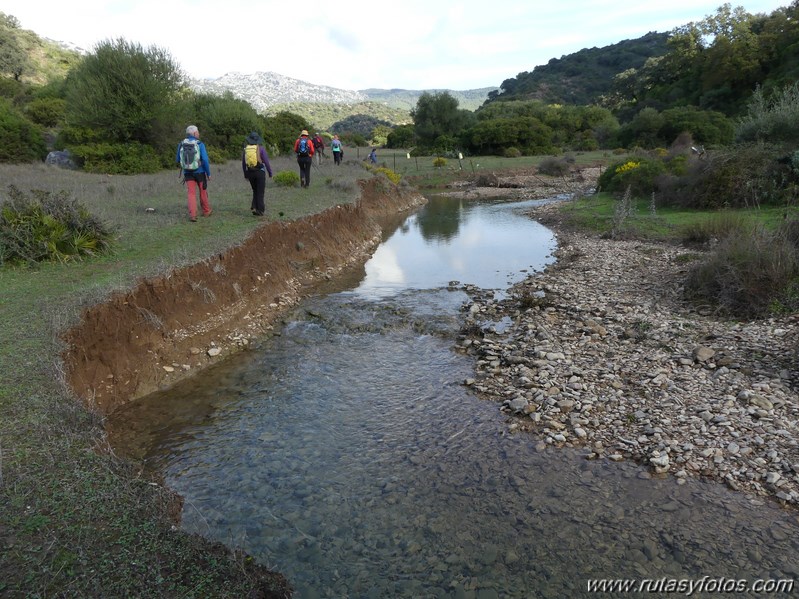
[
  {"x": 11, "y": 88},
  {"x": 47, "y": 112},
  {"x": 20, "y": 139},
  {"x": 286, "y": 179},
  {"x": 775, "y": 119},
  {"x": 217, "y": 156},
  {"x": 746, "y": 175},
  {"x": 117, "y": 159},
  {"x": 439, "y": 162},
  {"x": 512, "y": 152},
  {"x": 746, "y": 274},
  {"x": 46, "y": 226},
  {"x": 637, "y": 173}
]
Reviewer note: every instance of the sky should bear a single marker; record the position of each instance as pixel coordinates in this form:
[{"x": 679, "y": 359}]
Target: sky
[{"x": 410, "y": 44}]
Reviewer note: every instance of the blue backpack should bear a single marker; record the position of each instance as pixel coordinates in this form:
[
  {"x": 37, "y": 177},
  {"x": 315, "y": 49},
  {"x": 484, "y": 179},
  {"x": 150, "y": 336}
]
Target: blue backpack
[{"x": 302, "y": 147}]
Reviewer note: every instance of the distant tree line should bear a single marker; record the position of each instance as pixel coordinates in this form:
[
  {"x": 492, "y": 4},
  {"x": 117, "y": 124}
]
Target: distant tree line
[{"x": 121, "y": 108}]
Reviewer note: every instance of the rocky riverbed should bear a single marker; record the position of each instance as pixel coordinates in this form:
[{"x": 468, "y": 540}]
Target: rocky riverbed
[{"x": 602, "y": 352}]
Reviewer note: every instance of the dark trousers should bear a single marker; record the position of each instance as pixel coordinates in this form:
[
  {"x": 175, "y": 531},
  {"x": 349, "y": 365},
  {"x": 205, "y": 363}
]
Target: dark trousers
[
  {"x": 305, "y": 163},
  {"x": 257, "y": 179},
  {"x": 337, "y": 157}
]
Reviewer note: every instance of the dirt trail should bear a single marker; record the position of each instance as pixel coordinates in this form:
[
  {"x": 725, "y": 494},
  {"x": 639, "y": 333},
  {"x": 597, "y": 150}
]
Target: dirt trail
[{"x": 170, "y": 327}]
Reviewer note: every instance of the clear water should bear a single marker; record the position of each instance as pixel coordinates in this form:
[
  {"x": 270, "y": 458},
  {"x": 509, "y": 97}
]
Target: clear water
[{"x": 346, "y": 453}]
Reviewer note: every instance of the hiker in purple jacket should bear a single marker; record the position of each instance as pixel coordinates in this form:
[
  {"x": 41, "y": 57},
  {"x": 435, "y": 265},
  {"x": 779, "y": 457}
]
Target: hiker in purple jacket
[{"x": 256, "y": 174}]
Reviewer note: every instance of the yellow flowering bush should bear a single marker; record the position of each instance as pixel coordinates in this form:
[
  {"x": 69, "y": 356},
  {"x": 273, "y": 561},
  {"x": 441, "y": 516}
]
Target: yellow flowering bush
[
  {"x": 392, "y": 176},
  {"x": 627, "y": 167}
]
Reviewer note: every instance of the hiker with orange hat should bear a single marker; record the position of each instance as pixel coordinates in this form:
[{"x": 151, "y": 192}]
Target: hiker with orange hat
[{"x": 304, "y": 149}]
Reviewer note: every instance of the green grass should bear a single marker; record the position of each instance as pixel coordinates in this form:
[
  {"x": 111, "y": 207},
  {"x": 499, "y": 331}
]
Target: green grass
[{"x": 597, "y": 214}]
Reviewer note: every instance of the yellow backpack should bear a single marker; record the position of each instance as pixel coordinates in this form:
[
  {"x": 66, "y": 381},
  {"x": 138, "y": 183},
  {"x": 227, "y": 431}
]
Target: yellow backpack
[{"x": 251, "y": 158}]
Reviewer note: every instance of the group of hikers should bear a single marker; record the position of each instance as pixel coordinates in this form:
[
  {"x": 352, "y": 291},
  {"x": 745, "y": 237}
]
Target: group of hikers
[{"x": 192, "y": 156}]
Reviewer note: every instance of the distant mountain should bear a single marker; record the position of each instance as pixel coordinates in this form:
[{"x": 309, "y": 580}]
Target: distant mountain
[
  {"x": 265, "y": 90},
  {"x": 405, "y": 99}
]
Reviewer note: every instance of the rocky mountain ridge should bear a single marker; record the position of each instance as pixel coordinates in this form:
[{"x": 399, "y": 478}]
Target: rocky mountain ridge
[{"x": 266, "y": 89}]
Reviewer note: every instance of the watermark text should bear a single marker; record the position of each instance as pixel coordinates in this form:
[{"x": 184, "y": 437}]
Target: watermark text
[{"x": 688, "y": 586}]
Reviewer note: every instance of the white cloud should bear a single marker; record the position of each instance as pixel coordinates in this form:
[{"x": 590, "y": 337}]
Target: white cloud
[{"x": 351, "y": 44}]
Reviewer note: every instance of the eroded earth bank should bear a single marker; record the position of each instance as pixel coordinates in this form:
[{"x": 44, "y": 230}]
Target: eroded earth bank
[{"x": 173, "y": 326}]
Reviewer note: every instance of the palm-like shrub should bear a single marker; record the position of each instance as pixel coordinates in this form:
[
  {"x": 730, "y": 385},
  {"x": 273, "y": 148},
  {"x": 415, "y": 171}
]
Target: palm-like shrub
[{"x": 45, "y": 226}]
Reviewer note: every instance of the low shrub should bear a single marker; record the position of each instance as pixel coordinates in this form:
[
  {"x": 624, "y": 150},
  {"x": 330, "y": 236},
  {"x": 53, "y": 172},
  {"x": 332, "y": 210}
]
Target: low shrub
[
  {"x": 47, "y": 112},
  {"x": 637, "y": 173},
  {"x": 556, "y": 167},
  {"x": 718, "y": 227},
  {"x": 344, "y": 185},
  {"x": 45, "y": 226},
  {"x": 117, "y": 159},
  {"x": 747, "y": 275},
  {"x": 439, "y": 162},
  {"x": 286, "y": 179},
  {"x": 20, "y": 139},
  {"x": 741, "y": 176},
  {"x": 392, "y": 176},
  {"x": 217, "y": 156},
  {"x": 512, "y": 152}
]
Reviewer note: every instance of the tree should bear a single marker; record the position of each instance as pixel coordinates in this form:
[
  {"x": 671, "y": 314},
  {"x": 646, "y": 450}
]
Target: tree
[
  {"x": 705, "y": 126},
  {"x": 225, "y": 121},
  {"x": 643, "y": 130},
  {"x": 436, "y": 115},
  {"x": 283, "y": 129},
  {"x": 401, "y": 137},
  {"x": 125, "y": 93},
  {"x": 13, "y": 59}
]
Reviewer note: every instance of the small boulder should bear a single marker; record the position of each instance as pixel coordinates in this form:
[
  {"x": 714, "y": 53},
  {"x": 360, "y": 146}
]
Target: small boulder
[{"x": 61, "y": 159}]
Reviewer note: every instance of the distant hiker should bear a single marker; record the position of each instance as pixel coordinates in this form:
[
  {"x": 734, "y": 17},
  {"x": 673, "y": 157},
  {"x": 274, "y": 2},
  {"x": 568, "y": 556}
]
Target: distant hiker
[
  {"x": 338, "y": 150},
  {"x": 304, "y": 149},
  {"x": 193, "y": 160},
  {"x": 319, "y": 147},
  {"x": 373, "y": 156},
  {"x": 255, "y": 164}
]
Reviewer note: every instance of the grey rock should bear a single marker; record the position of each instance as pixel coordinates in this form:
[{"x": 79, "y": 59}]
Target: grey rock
[{"x": 61, "y": 159}]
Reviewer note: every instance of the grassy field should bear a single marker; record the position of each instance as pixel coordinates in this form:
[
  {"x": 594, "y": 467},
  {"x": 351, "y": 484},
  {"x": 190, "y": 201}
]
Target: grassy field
[{"x": 599, "y": 215}]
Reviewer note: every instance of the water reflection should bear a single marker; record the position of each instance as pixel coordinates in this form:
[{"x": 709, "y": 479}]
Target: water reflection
[
  {"x": 346, "y": 454},
  {"x": 486, "y": 244},
  {"x": 441, "y": 218}
]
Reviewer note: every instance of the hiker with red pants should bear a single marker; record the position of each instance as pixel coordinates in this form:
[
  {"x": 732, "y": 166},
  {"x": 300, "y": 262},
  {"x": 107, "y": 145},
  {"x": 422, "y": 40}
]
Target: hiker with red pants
[
  {"x": 304, "y": 150},
  {"x": 193, "y": 159}
]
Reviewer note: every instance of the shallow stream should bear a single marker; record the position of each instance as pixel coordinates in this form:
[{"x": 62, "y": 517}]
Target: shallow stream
[{"x": 345, "y": 452}]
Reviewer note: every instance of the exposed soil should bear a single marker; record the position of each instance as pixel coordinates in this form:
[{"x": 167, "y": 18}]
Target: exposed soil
[{"x": 170, "y": 327}]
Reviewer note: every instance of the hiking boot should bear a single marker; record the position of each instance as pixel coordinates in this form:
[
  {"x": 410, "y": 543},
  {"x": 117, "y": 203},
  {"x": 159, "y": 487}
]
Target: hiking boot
[
  {"x": 210, "y": 212},
  {"x": 194, "y": 220}
]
